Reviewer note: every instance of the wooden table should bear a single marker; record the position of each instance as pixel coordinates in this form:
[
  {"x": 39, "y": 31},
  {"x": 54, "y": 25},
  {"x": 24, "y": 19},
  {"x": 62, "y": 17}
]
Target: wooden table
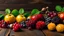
[{"x": 26, "y": 32}]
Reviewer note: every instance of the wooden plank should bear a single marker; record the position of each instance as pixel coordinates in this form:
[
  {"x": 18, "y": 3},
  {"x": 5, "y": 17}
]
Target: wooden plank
[
  {"x": 3, "y": 32},
  {"x": 27, "y": 32},
  {"x": 52, "y": 33}
]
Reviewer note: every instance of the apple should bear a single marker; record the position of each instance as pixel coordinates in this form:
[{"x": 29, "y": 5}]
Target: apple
[
  {"x": 20, "y": 18},
  {"x": 9, "y": 18},
  {"x": 61, "y": 15},
  {"x": 37, "y": 17}
]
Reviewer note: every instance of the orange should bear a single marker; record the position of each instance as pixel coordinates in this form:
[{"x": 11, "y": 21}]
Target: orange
[
  {"x": 51, "y": 26},
  {"x": 60, "y": 28}
]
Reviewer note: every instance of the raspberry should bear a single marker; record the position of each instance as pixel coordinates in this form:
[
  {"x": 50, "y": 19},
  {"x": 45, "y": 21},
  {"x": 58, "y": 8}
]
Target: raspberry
[{"x": 40, "y": 24}]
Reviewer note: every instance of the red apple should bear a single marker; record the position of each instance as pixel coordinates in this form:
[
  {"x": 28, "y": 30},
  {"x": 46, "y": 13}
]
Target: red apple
[
  {"x": 61, "y": 15},
  {"x": 37, "y": 17}
]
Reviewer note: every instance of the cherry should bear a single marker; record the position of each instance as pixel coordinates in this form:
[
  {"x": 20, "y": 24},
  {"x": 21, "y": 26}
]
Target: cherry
[{"x": 52, "y": 16}]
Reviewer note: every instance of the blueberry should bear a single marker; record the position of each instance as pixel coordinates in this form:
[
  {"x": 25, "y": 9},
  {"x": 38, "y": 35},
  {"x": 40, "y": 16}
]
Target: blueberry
[{"x": 56, "y": 20}]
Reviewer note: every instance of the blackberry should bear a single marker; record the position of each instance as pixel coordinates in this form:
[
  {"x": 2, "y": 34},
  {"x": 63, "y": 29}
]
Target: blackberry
[{"x": 56, "y": 20}]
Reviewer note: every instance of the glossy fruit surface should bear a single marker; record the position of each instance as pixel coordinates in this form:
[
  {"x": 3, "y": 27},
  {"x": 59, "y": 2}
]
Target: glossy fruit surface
[
  {"x": 20, "y": 18},
  {"x": 61, "y": 15},
  {"x": 52, "y": 14},
  {"x": 60, "y": 28},
  {"x": 37, "y": 17},
  {"x": 9, "y": 18},
  {"x": 51, "y": 26}
]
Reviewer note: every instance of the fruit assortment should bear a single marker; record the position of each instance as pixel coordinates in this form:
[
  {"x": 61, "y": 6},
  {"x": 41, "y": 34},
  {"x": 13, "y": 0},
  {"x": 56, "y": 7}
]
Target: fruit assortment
[{"x": 16, "y": 20}]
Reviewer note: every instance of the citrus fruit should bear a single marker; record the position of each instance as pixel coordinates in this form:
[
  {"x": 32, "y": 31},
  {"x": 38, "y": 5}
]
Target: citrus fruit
[
  {"x": 60, "y": 28},
  {"x": 51, "y": 26}
]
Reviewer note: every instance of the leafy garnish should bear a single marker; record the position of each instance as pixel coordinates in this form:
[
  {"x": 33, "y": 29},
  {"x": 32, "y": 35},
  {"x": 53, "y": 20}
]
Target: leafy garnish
[
  {"x": 35, "y": 11},
  {"x": 26, "y": 14},
  {"x": 21, "y": 11},
  {"x": 63, "y": 9},
  {"x": 1, "y": 16},
  {"x": 15, "y": 12},
  {"x": 7, "y": 11},
  {"x": 58, "y": 8}
]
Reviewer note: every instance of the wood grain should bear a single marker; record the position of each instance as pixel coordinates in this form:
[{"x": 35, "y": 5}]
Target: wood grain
[
  {"x": 27, "y": 32},
  {"x": 52, "y": 33}
]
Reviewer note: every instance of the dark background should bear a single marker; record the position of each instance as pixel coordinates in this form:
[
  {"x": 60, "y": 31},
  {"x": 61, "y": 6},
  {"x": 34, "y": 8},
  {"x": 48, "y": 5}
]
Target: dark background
[{"x": 28, "y": 5}]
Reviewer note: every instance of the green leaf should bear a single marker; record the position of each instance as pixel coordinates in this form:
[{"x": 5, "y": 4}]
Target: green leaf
[
  {"x": 7, "y": 11},
  {"x": 15, "y": 12},
  {"x": 1, "y": 16},
  {"x": 35, "y": 11},
  {"x": 21, "y": 11},
  {"x": 26, "y": 14},
  {"x": 58, "y": 8},
  {"x": 63, "y": 9}
]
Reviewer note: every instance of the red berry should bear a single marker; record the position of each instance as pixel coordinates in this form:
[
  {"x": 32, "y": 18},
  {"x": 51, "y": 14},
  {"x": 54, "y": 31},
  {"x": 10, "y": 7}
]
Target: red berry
[
  {"x": 52, "y": 16},
  {"x": 15, "y": 28},
  {"x": 40, "y": 24}
]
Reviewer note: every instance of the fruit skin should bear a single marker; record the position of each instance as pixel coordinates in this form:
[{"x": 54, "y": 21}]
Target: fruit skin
[
  {"x": 9, "y": 18},
  {"x": 60, "y": 28},
  {"x": 40, "y": 24},
  {"x": 20, "y": 18},
  {"x": 16, "y": 27},
  {"x": 29, "y": 17},
  {"x": 51, "y": 26},
  {"x": 52, "y": 14},
  {"x": 61, "y": 15},
  {"x": 37, "y": 17}
]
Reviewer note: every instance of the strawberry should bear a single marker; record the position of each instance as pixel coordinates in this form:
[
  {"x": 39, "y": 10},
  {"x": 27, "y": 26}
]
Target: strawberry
[{"x": 40, "y": 24}]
